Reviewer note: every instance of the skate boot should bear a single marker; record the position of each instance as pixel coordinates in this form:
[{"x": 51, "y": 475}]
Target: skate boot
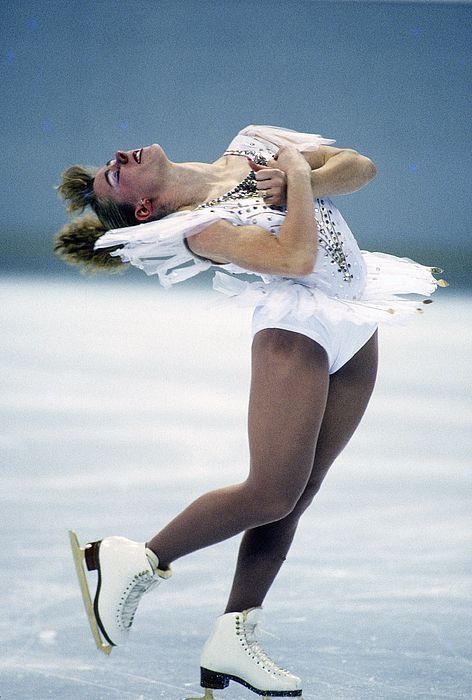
[
  {"x": 126, "y": 570},
  {"x": 232, "y": 653}
]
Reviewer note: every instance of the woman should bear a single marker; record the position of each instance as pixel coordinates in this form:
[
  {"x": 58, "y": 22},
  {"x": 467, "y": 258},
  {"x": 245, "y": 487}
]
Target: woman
[{"x": 262, "y": 208}]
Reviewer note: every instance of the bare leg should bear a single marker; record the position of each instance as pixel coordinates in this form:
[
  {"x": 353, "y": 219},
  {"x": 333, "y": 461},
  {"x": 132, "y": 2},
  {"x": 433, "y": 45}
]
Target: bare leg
[
  {"x": 289, "y": 389},
  {"x": 263, "y": 549}
]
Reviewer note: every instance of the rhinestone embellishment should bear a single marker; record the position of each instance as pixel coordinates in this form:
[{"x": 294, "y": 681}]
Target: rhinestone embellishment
[
  {"x": 255, "y": 156},
  {"x": 329, "y": 238},
  {"x": 330, "y": 242},
  {"x": 246, "y": 188}
]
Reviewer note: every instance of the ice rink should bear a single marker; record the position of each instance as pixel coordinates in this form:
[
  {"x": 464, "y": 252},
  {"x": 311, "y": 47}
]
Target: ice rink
[{"x": 121, "y": 402}]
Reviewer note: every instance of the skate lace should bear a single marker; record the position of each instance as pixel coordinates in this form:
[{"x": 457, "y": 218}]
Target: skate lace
[
  {"x": 261, "y": 656},
  {"x": 141, "y": 583}
]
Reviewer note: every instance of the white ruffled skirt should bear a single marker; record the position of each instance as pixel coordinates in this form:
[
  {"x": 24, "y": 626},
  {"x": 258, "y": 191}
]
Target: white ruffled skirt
[{"x": 394, "y": 292}]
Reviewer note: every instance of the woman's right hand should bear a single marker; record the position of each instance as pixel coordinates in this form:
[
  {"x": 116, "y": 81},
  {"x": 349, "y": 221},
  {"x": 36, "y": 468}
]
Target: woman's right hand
[{"x": 289, "y": 159}]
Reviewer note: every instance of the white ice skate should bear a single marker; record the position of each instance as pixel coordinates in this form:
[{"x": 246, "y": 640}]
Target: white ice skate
[
  {"x": 232, "y": 653},
  {"x": 126, "y": 570}
]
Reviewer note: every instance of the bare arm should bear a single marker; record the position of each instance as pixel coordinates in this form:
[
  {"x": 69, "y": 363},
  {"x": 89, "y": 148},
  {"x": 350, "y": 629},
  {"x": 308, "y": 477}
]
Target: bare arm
[
  {"x": 334, "y": 171},
  {"x": 343, "y": 171},
  {"x": 292, "y": 252}
]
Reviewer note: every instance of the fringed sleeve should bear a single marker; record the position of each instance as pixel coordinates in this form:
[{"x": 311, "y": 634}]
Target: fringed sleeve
[{"x": 158, "y": 247}]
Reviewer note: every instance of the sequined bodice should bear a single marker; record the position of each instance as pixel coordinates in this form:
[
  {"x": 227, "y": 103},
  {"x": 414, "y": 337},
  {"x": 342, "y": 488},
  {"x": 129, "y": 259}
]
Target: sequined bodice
[
  {"x": 245, "y": 189},
  {"x": 340, "y": 259},
  {"x": 331, "y": 241}
]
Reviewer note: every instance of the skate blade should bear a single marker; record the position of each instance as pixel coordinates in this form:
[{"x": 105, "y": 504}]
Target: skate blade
[{"x": 78, "y": 553}]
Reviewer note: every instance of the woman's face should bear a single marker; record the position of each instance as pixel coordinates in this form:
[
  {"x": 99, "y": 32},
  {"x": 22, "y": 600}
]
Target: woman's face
[{"x": 132, "y": 175}]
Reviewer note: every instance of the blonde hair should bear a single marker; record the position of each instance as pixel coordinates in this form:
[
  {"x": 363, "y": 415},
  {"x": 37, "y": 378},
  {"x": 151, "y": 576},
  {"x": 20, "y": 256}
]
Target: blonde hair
[{"x": 74, "y": 243}]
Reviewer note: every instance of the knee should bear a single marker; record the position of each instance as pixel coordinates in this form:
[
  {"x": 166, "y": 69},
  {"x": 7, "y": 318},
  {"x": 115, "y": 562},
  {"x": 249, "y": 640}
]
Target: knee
[
  {"x": 276, "y": 505},
  {"x": 308, "y": 495},
  {"x": 312, "y": 488},
  {"x": 271, "y": 504},
  {"x": 279, "y": 507}
]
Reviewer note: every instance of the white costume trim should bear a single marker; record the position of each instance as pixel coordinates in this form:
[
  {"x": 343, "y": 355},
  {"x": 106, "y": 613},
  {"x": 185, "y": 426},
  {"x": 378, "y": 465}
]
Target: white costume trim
[
  {"x": 274, "y": 137},
  {"x": 157, "y": 247},
  {"x": 388, "y": 277}
]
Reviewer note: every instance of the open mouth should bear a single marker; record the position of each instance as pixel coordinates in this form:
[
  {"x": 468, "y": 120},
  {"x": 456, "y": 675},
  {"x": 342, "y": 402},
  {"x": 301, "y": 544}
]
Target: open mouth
[{"x": 137, "y": 155}]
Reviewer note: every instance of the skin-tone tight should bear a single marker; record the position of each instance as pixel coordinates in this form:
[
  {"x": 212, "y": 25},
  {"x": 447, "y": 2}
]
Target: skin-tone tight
[{"x": 300, "y": 419}]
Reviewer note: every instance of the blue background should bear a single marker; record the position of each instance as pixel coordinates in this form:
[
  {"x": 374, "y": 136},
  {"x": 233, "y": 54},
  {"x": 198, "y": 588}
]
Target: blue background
[{"x": 81, "y": 79}]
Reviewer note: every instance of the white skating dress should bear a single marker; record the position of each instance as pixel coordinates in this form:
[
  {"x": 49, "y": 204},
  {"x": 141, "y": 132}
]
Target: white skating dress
[{"x": 339, "y": 304}]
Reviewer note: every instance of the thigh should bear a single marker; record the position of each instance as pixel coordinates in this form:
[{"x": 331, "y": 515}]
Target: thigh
[
  {"x": 350, "y": 389},
  {"x": 289, "y": 390}
]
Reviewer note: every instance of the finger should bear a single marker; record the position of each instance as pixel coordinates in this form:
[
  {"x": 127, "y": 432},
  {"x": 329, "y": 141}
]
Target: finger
[
  {"x": 255, "y": 166},
  {"x": 269, "y": 173},
  {"x": 264, "y": 188},
  {"x": 265, "y": 183}
]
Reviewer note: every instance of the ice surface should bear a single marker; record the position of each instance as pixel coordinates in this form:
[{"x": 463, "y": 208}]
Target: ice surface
[{"x": 120, "y": 403}]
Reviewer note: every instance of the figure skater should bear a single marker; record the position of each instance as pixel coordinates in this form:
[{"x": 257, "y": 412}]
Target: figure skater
[{"x": 263, "y": 208}]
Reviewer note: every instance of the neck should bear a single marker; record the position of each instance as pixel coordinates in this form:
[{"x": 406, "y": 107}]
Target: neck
[{"x": 190, "y": 184}]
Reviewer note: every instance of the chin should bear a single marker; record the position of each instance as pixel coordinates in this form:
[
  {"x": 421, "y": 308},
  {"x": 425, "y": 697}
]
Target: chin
[{"x": 155, "y": 152}]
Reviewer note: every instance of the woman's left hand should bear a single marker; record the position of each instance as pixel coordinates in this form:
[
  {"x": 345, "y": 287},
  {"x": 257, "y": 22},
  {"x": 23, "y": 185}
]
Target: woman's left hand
[{"x": 271, "y": 183}]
